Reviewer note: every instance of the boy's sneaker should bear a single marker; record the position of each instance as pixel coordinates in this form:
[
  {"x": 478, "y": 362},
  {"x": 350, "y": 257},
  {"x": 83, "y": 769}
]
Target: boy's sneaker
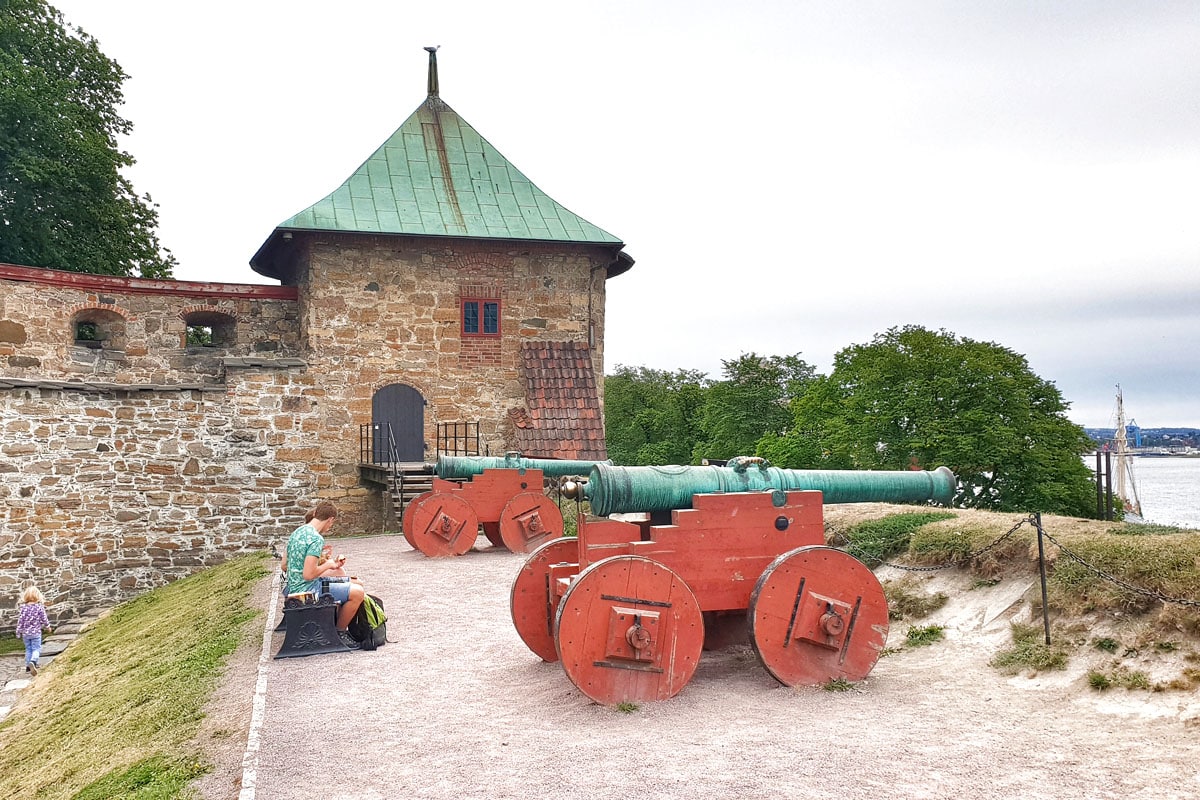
[
  {"x": 348, "y": 640},
  {"x": 33, "y": 670}
]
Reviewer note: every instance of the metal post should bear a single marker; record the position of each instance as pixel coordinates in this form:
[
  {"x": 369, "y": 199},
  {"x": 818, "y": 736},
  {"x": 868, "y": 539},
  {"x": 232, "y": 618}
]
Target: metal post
[
  {"x": 1042, "y": 568},
  {"x": 1099, "y": 487},
  {"x": 1108, "y": 504}
]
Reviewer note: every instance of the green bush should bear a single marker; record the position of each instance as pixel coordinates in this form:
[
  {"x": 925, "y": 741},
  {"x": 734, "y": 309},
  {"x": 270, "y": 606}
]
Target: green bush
[{"x": 571, "y": 512}]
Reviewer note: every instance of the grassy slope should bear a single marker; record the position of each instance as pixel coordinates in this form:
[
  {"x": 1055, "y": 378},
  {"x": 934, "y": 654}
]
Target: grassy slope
[{"x": 112, "y": 716}]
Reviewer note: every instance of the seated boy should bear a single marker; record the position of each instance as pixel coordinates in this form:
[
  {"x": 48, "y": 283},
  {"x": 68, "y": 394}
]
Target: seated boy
[{"x": 305, "y": 568}]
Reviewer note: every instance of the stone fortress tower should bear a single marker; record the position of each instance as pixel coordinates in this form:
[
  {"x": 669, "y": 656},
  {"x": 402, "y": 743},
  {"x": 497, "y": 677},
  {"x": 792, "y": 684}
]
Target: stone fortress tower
[{"x": 149, "y": 428}]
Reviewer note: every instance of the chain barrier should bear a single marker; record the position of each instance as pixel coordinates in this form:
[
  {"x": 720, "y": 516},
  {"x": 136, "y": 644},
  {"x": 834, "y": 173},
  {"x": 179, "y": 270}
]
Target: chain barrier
[
  {"x": 868, "y": 559},
  {"x": 1159, "y": 596},
  {"x": 1032, "y": 521}
]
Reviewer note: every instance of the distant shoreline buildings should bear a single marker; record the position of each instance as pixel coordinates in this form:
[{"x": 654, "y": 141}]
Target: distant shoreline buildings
[{"x": 1150, "y": 441}]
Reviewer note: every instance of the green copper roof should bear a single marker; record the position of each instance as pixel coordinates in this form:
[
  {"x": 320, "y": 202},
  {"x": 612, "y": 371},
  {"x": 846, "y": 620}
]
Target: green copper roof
[{"x": 435, "y": 176}]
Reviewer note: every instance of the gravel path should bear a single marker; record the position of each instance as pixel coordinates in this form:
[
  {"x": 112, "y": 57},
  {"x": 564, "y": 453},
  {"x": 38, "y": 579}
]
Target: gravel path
[{"x": 457, "y": 707}]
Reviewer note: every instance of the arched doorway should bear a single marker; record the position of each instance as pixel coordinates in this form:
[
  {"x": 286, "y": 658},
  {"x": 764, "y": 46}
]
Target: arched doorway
[{"x": 400, "y": 408}]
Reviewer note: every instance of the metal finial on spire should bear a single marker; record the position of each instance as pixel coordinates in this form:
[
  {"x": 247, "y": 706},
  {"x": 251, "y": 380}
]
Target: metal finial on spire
[{"x": 433, "y": 78}]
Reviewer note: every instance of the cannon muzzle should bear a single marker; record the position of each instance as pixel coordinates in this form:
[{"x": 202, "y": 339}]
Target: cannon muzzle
[
  {"x": 462, "y": 467},
  {"x": 626, "y": 490}
]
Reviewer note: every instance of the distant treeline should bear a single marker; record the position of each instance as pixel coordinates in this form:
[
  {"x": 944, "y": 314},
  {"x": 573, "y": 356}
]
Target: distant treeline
[{"x": 911, "y": 398}]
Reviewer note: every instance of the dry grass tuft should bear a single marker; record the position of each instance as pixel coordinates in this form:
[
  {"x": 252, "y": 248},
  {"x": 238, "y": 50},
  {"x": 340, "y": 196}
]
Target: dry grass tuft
[
  {"x": 1030, "y": 651},
  {"x": 906, "y": 599}
]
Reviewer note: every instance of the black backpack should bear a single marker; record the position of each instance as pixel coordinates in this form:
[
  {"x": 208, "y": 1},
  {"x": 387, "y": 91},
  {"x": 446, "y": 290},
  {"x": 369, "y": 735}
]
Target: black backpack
[{"x": 369, "y": 626}]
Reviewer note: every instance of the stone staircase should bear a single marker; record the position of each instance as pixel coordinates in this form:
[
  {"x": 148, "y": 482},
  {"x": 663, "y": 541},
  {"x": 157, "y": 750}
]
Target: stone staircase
[{"x": 414, "y": 481}]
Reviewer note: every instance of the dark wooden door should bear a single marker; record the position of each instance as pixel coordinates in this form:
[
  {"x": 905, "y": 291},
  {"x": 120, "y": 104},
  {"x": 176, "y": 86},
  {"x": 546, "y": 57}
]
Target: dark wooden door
[{"x": 400, "y": 408}]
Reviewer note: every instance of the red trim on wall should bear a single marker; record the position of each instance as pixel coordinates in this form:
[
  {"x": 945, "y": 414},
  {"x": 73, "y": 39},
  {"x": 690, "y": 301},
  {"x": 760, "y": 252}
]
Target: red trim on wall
[{"x": 112, "y": 283}]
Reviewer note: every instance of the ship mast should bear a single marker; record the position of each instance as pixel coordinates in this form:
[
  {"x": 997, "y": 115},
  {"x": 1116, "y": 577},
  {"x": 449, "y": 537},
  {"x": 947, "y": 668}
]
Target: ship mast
[{"x": 1129, "y": 497}]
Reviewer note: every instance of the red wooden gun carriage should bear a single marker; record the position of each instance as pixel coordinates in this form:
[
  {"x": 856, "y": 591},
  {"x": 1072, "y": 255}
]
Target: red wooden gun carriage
[
  {"x": 504, "y": 495},
  {"x": 625, "y": 605}
]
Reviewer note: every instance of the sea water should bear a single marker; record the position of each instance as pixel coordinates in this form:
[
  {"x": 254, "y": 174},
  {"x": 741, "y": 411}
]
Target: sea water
[{"x": 1169, "y": 488}]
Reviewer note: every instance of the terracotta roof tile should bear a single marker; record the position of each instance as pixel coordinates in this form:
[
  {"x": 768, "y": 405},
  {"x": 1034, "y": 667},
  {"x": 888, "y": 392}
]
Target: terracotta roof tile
[{"x": 564, "y": 419}]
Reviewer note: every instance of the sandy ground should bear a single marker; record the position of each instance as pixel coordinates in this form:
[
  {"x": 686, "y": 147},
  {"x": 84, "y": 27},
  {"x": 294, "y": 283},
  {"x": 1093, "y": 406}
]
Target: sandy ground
[{"x": 457, "y": 707}]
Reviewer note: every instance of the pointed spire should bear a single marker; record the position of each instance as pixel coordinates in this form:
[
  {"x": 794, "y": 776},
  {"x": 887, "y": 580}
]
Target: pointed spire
[{"x": 433, "y": 76}]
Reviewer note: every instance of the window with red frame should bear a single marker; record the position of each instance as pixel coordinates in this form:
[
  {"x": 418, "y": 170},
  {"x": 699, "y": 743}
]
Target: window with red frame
[{"x": 481, "y": 317}]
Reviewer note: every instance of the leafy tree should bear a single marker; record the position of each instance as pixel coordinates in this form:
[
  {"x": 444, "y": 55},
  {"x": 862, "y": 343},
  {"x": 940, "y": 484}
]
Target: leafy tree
[
  {"x": 64, "y": 203},
  {"x": 798, "y": 448},
  {"x": 917, "y": 398},
  {"x": 750, "y": 403},
  {"x": 650, "y": 415},
  {"x": 199, "y": 335}
]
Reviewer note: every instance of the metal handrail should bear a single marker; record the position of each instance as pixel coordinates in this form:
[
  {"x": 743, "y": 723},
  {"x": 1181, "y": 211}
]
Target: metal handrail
[
  {"x": 365, "y": 448},
  {"x": 371, "y": 439},
  {"x": 395, "y": 476},
  {"x": 455, "y": 438}
]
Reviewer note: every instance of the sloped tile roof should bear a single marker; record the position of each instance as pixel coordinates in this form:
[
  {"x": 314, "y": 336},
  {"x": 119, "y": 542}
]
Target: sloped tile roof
[
  {"x": 562, "y": 418},
  {"x": 436, "y": 176}
]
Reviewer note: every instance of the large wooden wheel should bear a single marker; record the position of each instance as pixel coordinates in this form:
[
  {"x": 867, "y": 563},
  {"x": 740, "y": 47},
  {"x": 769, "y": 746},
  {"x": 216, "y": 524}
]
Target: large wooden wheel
[
  {"x": 492, "y": 531},
  {"x": 444, "y": 524},
  {"x": 529, "y": 519},
  {"x": 531, "y": 601},
  {"x": 629, "y": 630},
  {"x": 817, "y": 614},
  {"x": 406, "y": 518}
]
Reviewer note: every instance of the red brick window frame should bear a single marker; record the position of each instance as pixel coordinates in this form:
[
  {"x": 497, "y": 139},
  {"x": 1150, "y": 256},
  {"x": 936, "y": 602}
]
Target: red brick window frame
[{"x": 480, "y": 317}]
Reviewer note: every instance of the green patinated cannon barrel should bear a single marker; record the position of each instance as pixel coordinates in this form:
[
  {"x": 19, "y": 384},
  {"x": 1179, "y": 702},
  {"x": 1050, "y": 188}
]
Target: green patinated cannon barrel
[
  {"x": 624, "y": 490},
  {"x": 461, "y": 467}
]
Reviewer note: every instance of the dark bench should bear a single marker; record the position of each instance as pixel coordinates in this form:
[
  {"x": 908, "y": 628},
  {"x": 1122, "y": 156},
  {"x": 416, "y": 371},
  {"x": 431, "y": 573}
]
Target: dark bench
[{"x": 310, "y": 626}]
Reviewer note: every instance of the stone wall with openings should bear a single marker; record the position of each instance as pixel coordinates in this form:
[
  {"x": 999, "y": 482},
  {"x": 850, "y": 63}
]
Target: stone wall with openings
[{"x": 63, "y": 326}]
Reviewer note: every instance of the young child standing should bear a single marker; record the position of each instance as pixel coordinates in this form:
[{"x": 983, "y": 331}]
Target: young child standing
[{"x": 30, "y": 624}]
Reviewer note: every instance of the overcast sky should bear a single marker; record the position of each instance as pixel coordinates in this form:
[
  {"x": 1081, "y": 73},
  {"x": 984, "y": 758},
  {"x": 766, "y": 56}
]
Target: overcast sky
[{"x": 791, "y": 177}]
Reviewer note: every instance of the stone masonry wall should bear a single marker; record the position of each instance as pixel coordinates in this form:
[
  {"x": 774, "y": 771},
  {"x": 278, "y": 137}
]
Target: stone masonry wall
[
  {"x": 387, "y": 310},
  {"x": 135, "y": 459},
  {"x": 106, "y": 494}
]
